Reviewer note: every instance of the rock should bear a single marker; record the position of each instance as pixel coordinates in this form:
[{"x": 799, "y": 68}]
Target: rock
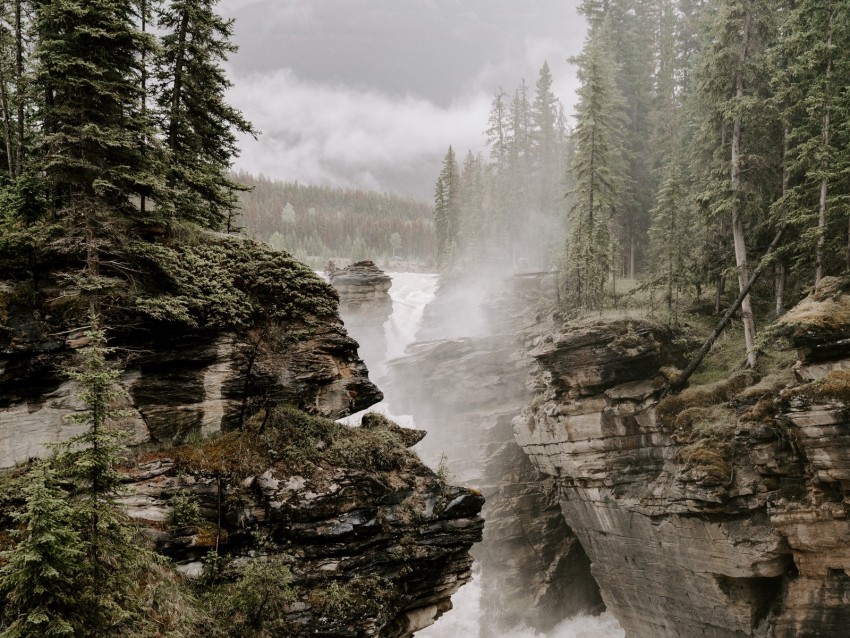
[
  {"x": 675, "y": 551},
  {"x": 184, "y": 384},
  {"x": 365, "y": 305},
  {"x": 374, "y": 421},
  {"x": 404, "y": 537}
]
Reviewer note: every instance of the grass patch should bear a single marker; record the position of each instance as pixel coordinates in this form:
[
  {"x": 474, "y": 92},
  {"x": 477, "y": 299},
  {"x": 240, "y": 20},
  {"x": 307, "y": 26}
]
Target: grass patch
[
  {"x": 834, "y": 387},
  {"x": 296, "y": 442},
  {"x": 709, "y": 433},
  {"x": 361, "y": 597}
]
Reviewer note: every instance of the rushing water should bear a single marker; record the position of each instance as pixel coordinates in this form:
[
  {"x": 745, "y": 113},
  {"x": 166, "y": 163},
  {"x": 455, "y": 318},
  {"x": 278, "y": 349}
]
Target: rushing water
[{"x": 411, "y": 293}]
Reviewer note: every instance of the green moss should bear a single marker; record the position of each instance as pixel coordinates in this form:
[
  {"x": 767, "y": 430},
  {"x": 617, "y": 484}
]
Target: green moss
[
  {"x": 709, "y": 435},
  {"x": 702, "y": 396},
  {"x": 348, "y": 602},
  {"x": 297, "y": 442},
  {"x": 835, "y": 387},
  {"x": 226, "y": 281}
]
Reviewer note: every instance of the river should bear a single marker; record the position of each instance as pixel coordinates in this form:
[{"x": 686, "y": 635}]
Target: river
[{"x": 411, "y": 293}]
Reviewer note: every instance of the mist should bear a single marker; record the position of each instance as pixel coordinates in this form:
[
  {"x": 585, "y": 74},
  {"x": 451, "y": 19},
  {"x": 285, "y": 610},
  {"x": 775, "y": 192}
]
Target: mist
[{"x": 369, "y": 94}]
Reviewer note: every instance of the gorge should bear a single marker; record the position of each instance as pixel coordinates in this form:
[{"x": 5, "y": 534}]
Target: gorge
[{"x": 724, "y": 502}]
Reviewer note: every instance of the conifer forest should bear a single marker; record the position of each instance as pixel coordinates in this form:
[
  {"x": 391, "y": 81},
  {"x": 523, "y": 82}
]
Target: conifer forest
[{"x": 654, "y": 271}]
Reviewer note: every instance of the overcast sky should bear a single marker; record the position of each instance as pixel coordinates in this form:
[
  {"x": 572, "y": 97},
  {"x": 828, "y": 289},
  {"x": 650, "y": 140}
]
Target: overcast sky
[{"x": 370, "y": 93}]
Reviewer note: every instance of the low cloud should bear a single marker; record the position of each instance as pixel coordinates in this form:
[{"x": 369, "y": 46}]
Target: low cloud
[{"x": 325, "y": 134}]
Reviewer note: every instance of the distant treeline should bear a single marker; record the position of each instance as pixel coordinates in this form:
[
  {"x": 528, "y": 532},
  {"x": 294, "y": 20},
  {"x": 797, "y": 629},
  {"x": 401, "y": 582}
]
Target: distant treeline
[{"x": 317, "y": 223}]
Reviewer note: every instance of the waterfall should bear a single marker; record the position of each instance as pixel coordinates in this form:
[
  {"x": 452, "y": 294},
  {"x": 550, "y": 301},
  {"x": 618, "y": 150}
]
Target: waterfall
[{"x": 411, "y": 293}]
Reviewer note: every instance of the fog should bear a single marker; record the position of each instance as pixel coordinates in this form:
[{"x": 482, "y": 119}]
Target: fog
[{"x": 370, "y": 93}]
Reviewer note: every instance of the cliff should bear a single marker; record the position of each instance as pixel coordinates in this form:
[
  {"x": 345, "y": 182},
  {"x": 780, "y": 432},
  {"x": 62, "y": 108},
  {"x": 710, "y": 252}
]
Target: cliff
[
  {"x": 365, "y": 305},
  {"x": 234, "y": 361},
  {"x": 719, "y": 512}
]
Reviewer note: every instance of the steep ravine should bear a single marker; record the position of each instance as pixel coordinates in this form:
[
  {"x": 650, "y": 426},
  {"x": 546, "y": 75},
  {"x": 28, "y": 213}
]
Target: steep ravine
[
  {"x": 232, "y": 416},
  {"x": 719, "y": 512}
]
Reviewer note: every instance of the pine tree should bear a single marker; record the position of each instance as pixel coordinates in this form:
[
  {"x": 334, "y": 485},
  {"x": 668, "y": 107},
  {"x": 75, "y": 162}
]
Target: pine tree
[
  {"x": 811, "y": 83},
  {"x": 40, "y": 581},
  {"x": 598, "y": 171},
  {"x": 200, "y": 126},
  {"x": 116, "y": 561},
  {"x": 733, "y": 88},
  {"x": 671, "y": 236},
  {"x": 447, "y": 210},
  {"x": 94, "y": 143},
  {"x": 544, "y": 143}
]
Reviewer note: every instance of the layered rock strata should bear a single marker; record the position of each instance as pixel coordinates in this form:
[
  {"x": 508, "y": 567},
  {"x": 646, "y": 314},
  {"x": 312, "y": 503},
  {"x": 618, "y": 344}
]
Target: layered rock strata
[
  {"x": 376, "y": 544},
  {"x": 365, "y": 305},
  {"x": 180, "y": 384},
  {"x": 720, "y": 512}
]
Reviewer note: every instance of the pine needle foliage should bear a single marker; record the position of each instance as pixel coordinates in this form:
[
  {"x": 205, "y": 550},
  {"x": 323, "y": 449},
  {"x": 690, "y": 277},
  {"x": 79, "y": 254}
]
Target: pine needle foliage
[
  {"x": 40, "y": 580},
  {"x": 598, "y": 171}
]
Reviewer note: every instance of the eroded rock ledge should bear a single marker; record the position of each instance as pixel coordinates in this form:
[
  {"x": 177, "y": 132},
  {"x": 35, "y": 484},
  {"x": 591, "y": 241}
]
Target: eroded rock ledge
[
  {"x": 376, "y": 542},
  {"x": 721, "y": 512},
  {"x": 234, "y": 354}
]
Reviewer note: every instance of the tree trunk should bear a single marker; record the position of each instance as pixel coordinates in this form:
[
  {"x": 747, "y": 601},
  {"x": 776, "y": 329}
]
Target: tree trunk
[
  {"x": 19, "y": 87},
  {"x": 7, "y": 128},
  {"x": 824, "y": 183},
  {"x": 177, "y": 89},
  {"x": 680, "y": 383},
  {"x": 780, "y": 288},
  {"x": 144, "y": 79},
  {"x": 737, "y": 222}
]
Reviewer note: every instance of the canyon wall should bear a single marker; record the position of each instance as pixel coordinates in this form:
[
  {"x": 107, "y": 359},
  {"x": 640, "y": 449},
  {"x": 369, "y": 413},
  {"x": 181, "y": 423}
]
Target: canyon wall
[{"x": 720, "y": 512}]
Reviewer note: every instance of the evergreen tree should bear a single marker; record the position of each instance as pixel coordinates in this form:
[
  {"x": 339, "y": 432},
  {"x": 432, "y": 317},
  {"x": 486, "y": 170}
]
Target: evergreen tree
[
  {"x": 40, "y": 581},
  {"x": 447, "y": 209},
  {"x": 200, "y": 126},
  {"x": 93, "y": 146},
  {"x": 733, "y": 87},
  {"x": 544, "y": 143},
  {"x": 116, "y": 561},
  {"x": 812, "y": 84},
  {"x": 671, "y": 236},
  {"x": 598, "y": 171}
]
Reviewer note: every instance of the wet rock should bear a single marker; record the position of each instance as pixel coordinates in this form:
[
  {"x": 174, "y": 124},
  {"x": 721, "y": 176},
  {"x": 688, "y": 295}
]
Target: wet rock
[
  {"x": 740, "y": 533},
  {"x": 365, "y": 305}
]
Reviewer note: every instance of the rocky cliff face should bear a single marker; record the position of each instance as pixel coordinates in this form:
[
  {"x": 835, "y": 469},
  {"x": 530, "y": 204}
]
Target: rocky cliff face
[
  {"x": 224, "y": 357},
  {"x": 375, "y": 541},
  {"x": 464, "y": 391},
  {"x": 720, "y": 512},
  {"x": 194, "y": 374},
  {"x": 365, "y": 305}
]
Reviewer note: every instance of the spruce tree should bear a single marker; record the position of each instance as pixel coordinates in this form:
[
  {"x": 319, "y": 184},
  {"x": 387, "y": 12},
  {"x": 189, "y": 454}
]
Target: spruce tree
[
  {"x": 40, "y": 580},
  {"x": 741, "y": 129},
  {"x": 599, "y": 173},
  {"x": 200, "y": 126},
  {"x": 544, "y": 144},
  {"x": 812, "y": 77},
  {"x": 93, "y": 149},
  {"x": 447, "y": 210},
  {"x": 672, "y": 244}
]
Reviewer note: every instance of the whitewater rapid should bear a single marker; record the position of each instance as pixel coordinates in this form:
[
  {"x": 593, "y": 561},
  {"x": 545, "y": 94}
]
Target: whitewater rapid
[{"x": 411, "y": 293}]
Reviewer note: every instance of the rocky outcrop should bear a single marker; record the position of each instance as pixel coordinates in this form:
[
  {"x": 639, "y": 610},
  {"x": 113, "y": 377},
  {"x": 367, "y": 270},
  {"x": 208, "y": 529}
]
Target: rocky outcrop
[
  {"x": 365, "y": 305},
  {"x": 375, "y": 541},
  {"x": 465, "y": 391},
  {"x": 720, "y": 512},
  {"x": 180, "y": 380},
  {"x": 232, "y": 358}
]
